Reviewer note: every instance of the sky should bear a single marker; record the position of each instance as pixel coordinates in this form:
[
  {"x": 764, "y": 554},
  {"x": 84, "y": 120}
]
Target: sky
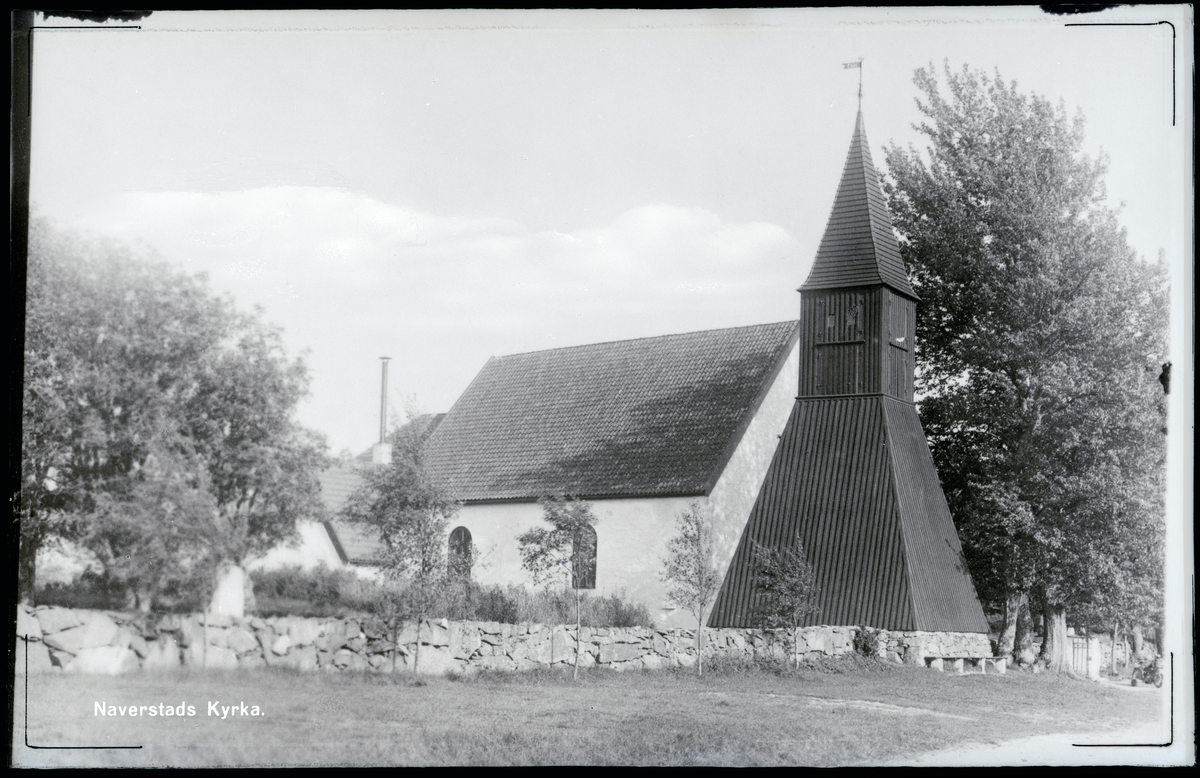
[{"x": 443, "y": 187}]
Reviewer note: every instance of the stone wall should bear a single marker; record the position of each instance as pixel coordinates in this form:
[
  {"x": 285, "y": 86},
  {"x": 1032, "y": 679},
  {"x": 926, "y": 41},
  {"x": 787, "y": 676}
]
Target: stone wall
[{"x": 112, "y": 643}]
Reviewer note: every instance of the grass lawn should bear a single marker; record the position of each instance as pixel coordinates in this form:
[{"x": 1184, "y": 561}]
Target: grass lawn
[{"x": 811, "y": 717}]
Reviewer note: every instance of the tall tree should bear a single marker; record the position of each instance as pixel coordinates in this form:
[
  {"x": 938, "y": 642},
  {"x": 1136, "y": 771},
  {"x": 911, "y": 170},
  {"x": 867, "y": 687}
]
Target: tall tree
[
  {"x": 135, "y": 375},
  {"x": 150, "y": 533},
  {"x": 262, "y": 465},
  {"x": 689, "y": 569},
  {"x": 564, "y": 553},
  {"x": 1039, "y": 336}
]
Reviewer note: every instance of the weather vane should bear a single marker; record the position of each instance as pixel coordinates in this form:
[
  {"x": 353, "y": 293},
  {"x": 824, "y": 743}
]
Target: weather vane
[{"x": 858, "y": 65}]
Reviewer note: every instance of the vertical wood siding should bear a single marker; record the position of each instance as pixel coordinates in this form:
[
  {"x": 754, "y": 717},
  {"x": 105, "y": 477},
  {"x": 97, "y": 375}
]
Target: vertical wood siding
[
  {"x": 830, "y": 483},
  {"x": 854, "y": 479},
  {"x": 900, "y": 317},
  {"x": 944, "y": 596},
  {"x": 839, "y": 342}
]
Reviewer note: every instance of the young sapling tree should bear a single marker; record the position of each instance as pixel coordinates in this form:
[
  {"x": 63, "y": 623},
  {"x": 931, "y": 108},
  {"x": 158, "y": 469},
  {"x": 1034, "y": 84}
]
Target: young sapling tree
[
  {"x": 689, "y": 569},
  {"x": 787, "y": 589},
  {"x": 564, "y": 553}
]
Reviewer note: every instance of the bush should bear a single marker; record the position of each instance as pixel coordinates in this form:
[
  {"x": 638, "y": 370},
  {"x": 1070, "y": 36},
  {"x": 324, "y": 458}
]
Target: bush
[
  {"x": 324, "y": 592},
  {"x": 317, "y": 592},
  {"x": 94, "y": 590},
  {"x": 494, "y": 604},
  {"x": 557, "y": 606},
  {"x": 91, "y": 590},
  {"x": 866, "y": 641}
]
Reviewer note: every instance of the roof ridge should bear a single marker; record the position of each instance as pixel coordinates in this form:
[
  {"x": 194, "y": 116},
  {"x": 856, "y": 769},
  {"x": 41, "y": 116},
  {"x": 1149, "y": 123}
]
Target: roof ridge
[
  {"x": 646, "y": 337},
  {"x": 860, "y": 132}
]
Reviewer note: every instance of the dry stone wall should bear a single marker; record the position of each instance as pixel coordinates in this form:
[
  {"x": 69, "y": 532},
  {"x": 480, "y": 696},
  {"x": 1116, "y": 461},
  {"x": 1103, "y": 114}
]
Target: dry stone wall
[{"x": 61, "y": 639}]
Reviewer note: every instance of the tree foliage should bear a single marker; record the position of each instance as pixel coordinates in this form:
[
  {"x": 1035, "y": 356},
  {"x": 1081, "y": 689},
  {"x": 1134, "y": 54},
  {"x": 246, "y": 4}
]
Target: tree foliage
[
  {"x": 1040, "y": 335},
  {"x": 407, "y": 510},
  {"x": 786, "y": 591},
  {"x": 157, "y": 418},
  {"x": 560, "y": 554},
  {"x": 689, "y": 564},
  {"x": 564, "y": 553}
]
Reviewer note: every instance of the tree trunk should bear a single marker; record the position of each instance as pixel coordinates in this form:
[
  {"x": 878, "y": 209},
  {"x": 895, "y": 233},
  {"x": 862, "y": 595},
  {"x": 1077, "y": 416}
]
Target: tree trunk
[
  {"x": 27, "y": 570},
  {"x": 395, "y": 629},
  {"x": 700, "y": 644},
  {"x": 417, "y": 648},
  {"x": 250, "y": 601},
  {"x": 578, "y": 634},
  {"x": 1138, "y": 641},
  {"x": 1054, "y": 644},
  {"x": 1012, "y": 615},
  {"x": 1023, "y": 639},
  {"x": 796, "y": 647},
  {"x": 1112, "y": 659}
]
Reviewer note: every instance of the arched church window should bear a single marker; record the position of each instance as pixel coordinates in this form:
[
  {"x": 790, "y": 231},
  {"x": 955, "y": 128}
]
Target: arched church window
[
  {"x": 461, "y": 553},
  {"x": 583, "y": 559}
]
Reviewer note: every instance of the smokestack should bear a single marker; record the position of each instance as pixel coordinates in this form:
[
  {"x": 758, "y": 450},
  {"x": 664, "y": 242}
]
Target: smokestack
[
  {"x": 383, "y": 402},
  {"x": 381, "y": 452}
]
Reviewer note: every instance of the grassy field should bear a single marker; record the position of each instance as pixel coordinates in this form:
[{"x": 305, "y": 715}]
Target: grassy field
[{"x": 847, "y": 713}]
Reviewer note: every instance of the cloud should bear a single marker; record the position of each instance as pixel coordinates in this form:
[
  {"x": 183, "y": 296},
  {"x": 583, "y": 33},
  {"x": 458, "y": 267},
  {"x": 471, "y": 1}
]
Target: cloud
[{"x": 351, "y": 278}]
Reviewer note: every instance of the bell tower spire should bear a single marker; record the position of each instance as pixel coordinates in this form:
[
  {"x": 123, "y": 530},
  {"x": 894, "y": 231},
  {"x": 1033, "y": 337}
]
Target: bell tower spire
[{"x": 857, "y": 308}]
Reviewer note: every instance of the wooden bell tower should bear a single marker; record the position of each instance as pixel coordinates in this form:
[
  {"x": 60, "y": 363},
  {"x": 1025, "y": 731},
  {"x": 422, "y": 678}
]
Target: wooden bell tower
[{"x": 852, "y": 477}]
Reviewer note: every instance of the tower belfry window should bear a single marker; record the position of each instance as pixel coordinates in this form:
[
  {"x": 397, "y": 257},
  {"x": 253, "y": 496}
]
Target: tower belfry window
[{"x": 841, "y": 314}]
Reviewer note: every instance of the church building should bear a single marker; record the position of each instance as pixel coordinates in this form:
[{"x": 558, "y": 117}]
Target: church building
[{"x": 782, "y": 431}]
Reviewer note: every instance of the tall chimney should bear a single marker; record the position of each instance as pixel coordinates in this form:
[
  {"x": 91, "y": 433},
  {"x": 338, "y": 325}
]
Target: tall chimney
[
  {"x": 383, "y": 402},
  {"x": 381, "y": 452}
]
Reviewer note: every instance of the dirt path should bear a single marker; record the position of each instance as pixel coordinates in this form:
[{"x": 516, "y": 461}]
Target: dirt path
[
  {"x": 1055, "y": 750},
  {"x": 1118, "y": 745}
]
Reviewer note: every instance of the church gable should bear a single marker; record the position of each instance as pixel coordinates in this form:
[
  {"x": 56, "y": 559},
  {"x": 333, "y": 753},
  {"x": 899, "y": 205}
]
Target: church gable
[
  {"x": 354, "y": 544},
  {"x": 637, "y": 418}
]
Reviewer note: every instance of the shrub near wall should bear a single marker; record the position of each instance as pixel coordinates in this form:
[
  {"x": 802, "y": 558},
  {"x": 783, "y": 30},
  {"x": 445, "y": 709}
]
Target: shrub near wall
[{"x": 61, "y": 639}]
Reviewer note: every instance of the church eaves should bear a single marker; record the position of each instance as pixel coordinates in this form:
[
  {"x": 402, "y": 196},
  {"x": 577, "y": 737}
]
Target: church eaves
[{"x": 859, "y": 247}]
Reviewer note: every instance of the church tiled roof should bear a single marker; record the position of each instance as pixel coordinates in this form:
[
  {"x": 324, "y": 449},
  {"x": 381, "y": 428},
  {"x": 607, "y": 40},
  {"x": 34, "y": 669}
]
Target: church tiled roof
[
  {"x": 859, "y": 247},
  {"x": 648, "y": 417}
]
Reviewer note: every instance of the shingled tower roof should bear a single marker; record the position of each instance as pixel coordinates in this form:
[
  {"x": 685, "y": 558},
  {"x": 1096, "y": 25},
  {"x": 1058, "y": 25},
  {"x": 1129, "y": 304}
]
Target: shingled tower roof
[{"x": 859, "y": 247}]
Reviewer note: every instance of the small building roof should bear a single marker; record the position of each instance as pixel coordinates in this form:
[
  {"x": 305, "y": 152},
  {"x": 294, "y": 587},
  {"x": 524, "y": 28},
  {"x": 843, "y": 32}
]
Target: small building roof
[
  {"x": 418, "y": 428},
  {"x": 635, "y": 418},
  {"x": 859, "y": 247},
  {"x": 354, "y": 544}
]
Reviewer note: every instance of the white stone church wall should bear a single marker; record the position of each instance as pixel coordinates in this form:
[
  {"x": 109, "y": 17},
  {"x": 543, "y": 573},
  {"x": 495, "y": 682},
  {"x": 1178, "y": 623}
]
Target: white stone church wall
[
  {"x": 314, "y": 548},
  {"x": 632, "y": 534}
]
